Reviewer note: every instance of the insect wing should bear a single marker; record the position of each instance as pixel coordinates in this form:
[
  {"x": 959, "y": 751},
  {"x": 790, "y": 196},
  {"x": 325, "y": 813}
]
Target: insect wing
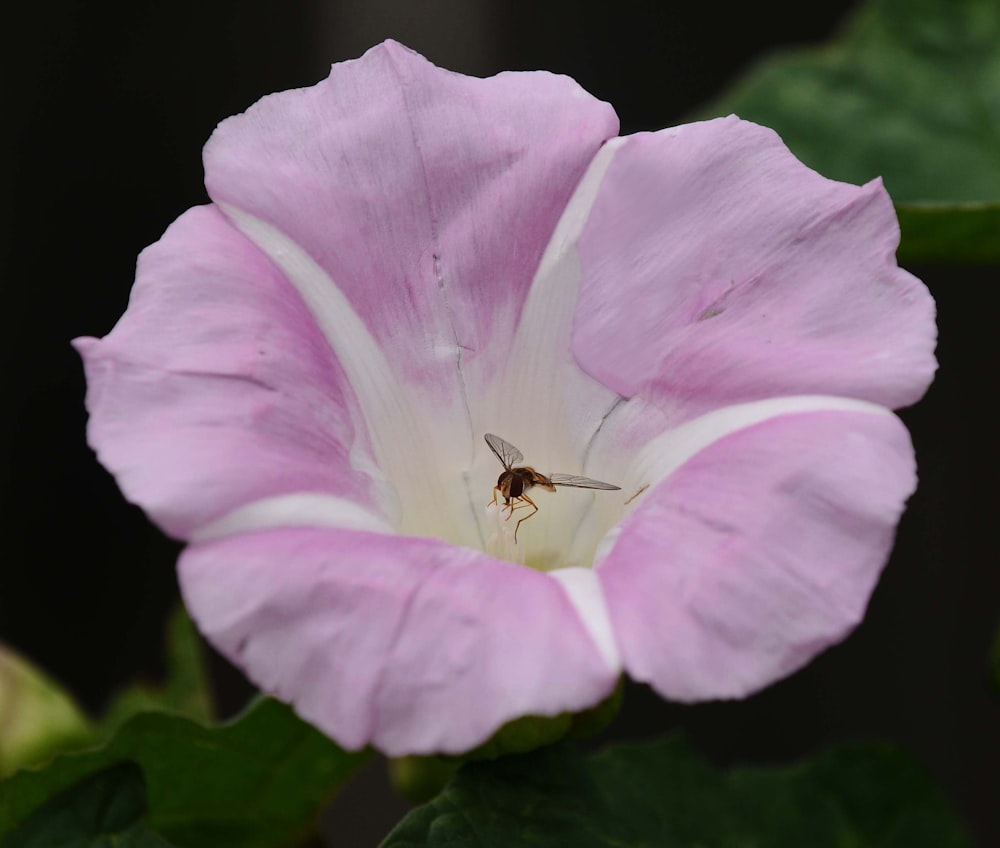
[
  {"x": 504, "y": 450},
  {"x": 579, "y": 482}
]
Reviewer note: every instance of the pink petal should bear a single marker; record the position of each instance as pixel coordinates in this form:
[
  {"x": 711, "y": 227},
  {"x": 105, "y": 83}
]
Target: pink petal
[
  {"x": 758, "y": 552},
  {"x": 411, "y": 644},
  {"x": 216, "y": 388},
  {"x": 427, "y": 197},
  {"x": 718, "y": 269}
]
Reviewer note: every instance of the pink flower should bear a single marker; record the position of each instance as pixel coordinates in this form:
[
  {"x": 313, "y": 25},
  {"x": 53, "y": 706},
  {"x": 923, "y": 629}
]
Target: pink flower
[{"x": 402, "y": 259}]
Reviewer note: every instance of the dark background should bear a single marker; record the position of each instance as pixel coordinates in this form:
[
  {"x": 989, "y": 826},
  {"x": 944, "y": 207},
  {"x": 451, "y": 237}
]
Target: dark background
[{"x": 106, "y": 107}]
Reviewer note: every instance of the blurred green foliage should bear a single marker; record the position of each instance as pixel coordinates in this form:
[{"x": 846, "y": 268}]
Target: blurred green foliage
[
  {"x": 910, "y": 92},
  {"x": 662, "y": 794}
]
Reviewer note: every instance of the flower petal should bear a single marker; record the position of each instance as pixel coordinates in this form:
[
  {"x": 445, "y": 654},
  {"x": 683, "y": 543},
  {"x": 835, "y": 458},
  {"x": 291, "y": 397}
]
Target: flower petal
[
  {"x": 411, "y": 644},
  {"x": 719, "y": 269},
  {"x": 758, "y": 552},
  {"x": 216, "y": 388},
  {"x": 426, "y": 196}
]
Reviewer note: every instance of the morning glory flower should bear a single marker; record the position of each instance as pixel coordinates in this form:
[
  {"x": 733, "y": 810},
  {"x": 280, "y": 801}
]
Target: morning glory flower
[{"x": 400, "y": 260}]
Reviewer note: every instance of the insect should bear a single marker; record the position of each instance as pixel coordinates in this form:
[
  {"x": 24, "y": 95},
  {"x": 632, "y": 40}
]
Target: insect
[{"x": 514, "y": 483}]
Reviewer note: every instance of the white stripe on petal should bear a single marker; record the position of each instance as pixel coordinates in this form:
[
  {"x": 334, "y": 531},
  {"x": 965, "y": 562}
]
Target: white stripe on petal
[
  {"x": 551, "y": 304},
  {"x": 587, "y": 596},
  {"x": 667, "y": 453},
  {"x": 543, "y": 402},
  {"x": 302, "y": 509},
  {"x": 663, "y": 455},
  {"x": 559, "y": 405},
  {"x": 408, "y": 445}
]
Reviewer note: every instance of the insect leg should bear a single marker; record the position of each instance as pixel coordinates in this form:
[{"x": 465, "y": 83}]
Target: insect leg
[
  {"x": 519, "y": 523},
  {"x": 516, "y": 503}
]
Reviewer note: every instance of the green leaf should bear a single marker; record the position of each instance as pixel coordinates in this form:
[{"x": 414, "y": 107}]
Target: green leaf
[
  {"x": 102, "y": 810},
  {"x": 259, "y": 781},
  {"x": 663, "y": 795},
  {"x": 909, "y": 92},
  {"x": 943, "y": 232}
]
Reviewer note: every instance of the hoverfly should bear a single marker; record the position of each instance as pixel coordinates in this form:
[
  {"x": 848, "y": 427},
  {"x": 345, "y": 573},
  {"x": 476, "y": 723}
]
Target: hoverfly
[{"x": 514, "y": 483}]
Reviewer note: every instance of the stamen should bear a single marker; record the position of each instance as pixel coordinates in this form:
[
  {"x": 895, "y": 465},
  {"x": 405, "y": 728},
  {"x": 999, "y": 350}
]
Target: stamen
[
  {"x": 500, "y": 542},
  {"x": 638, "y": 492}
]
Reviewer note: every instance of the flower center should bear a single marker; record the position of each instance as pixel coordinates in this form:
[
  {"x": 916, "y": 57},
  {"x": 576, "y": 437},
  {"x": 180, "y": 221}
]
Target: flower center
[
  {"x": 510, "y": 540},
  {"x": 547, "y": 531}
]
